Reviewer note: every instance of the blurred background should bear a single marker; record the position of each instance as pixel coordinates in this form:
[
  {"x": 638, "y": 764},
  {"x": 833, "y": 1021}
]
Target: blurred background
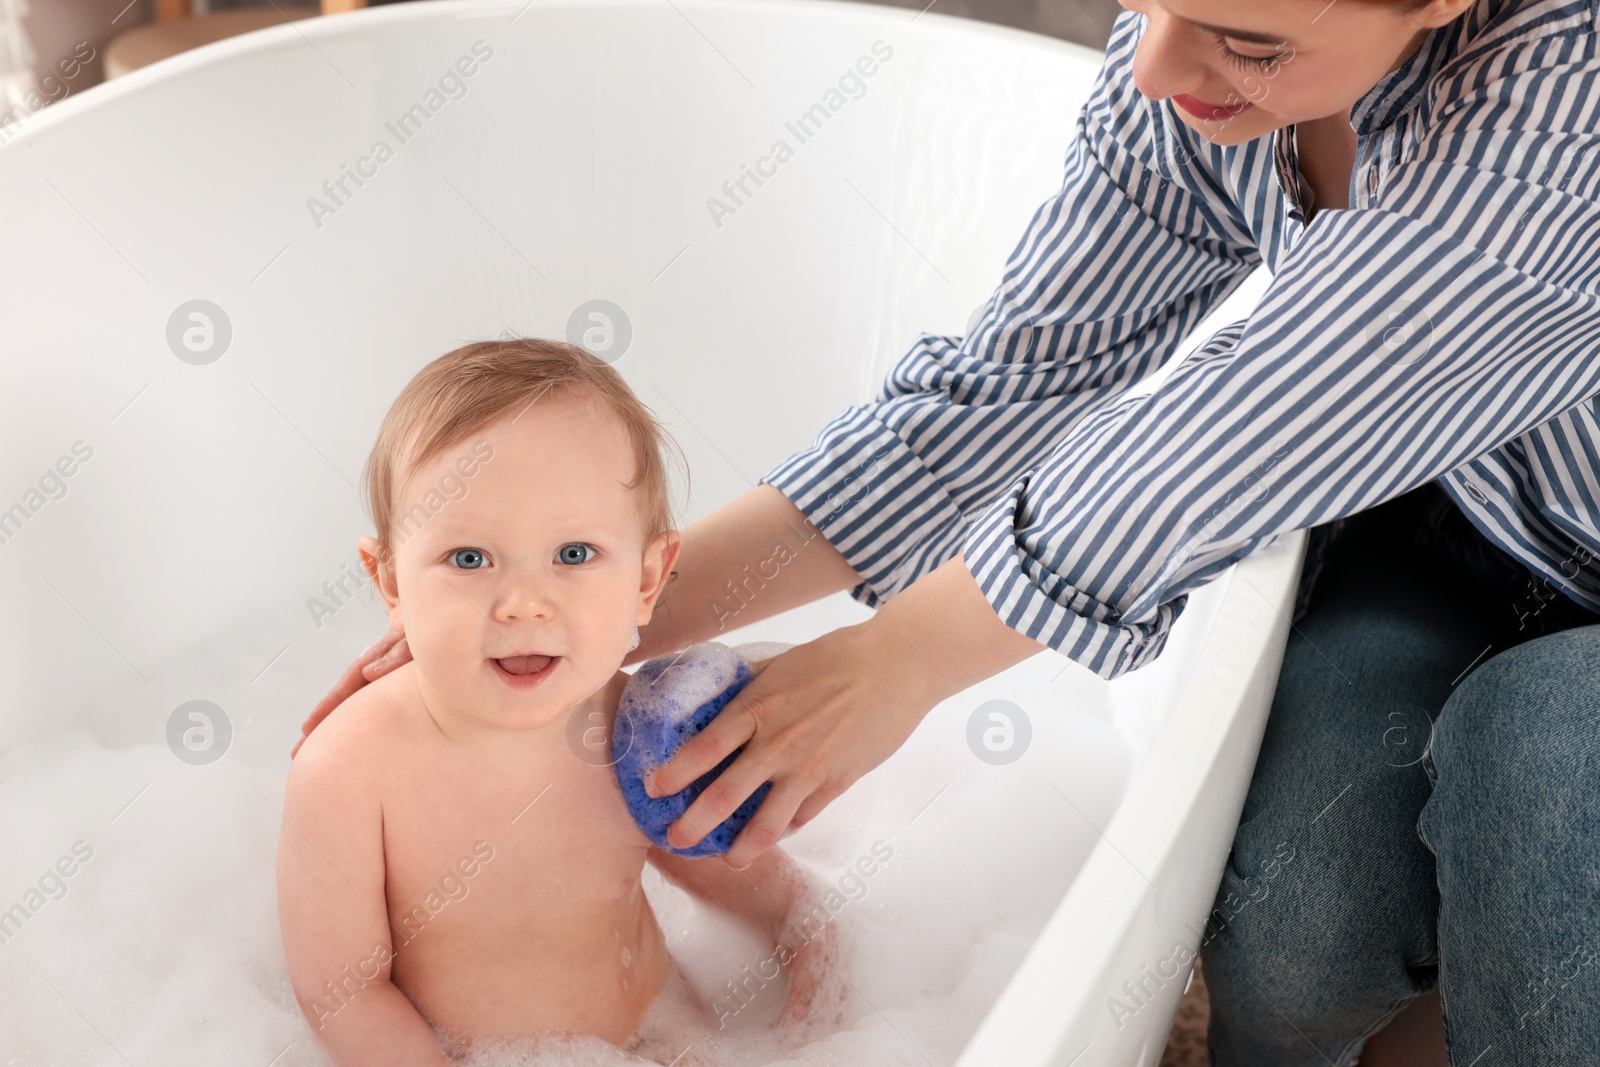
[{"x": 50, "y": 49}]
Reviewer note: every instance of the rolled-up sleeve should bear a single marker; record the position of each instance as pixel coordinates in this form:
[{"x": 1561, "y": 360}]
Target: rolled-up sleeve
[
  {"x": 1396, "y": 343},
  {"x": 1110, "y": 275}
]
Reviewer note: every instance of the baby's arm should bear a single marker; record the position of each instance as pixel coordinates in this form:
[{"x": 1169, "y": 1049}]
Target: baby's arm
[
  {"x": 763, "y": 894},
  {"x": 781, "y": 900},
  {"x": 335, "y": 920}
]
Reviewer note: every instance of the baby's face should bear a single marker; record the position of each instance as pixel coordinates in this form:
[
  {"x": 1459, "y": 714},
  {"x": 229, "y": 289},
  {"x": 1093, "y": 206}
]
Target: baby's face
[{"x": 541, "y": 556}]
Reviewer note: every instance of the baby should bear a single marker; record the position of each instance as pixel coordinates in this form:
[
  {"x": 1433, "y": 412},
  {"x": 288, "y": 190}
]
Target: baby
[{"x": 454, "y": 858}]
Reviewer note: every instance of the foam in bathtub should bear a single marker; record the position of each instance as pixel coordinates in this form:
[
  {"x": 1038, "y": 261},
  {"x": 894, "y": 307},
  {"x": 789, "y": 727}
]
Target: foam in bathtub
[{"x": 668, "y": 700}]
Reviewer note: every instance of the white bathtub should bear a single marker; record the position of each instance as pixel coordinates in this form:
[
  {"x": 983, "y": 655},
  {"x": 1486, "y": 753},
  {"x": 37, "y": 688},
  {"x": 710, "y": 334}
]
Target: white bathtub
[{"x": 180, "y": 559}]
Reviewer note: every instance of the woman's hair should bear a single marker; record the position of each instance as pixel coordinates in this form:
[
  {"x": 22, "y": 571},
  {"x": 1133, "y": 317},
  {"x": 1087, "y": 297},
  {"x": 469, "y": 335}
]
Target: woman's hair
[{"x": 465, "y": 391}]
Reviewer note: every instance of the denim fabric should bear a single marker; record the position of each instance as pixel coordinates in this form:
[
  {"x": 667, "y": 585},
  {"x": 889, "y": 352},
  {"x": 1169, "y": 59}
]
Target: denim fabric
[{"x": 1425, "y": 810}]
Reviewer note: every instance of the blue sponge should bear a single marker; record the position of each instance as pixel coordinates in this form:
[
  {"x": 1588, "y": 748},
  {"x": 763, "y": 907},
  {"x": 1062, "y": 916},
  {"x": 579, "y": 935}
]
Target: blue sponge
[{"x": 668, "y": 700}]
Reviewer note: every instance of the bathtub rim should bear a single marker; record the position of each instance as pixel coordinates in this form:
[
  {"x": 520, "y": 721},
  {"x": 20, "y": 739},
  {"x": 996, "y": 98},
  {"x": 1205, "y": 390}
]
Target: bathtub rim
[
  {"x": 326, "y": 27},
  {"x": 1090, "y": 942}
]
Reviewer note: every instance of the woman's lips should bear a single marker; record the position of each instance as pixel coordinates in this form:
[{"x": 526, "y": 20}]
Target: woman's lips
[
  {"x": 525, "y": 672},
  {"x": 1204, "y": 110}
]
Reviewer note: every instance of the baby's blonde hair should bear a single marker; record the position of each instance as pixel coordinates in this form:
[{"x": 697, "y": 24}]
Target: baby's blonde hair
[{"x": 466, "y": 390}]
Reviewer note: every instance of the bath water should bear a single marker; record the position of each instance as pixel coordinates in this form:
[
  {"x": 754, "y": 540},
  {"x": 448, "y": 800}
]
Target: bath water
[{"x": 138, "y": 909}]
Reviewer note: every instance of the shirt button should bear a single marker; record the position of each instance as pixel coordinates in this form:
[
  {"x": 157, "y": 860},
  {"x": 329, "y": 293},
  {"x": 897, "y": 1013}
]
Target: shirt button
[
  {"x": 1477, "y": 494},
  {"x": 1372, "y": 182}
]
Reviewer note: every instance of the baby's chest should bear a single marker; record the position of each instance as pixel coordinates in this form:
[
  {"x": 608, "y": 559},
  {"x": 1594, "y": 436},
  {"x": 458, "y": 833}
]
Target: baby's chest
[{"x": 482, "y": 849}]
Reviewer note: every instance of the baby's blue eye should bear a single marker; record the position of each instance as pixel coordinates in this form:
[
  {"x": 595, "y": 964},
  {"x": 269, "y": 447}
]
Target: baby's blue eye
[
  {"x": 469, "y": 559},
  {"x": 573, "y": 553}
]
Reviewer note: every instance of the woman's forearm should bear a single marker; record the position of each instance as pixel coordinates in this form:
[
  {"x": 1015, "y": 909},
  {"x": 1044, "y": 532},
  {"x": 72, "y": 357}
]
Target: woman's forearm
[
  {"x": 749, "y": 560},
  {"x": 945, "y": 631}
]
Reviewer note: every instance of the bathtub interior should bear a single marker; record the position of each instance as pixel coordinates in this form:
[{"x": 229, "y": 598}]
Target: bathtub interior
[{"x": 211, "y": 504}]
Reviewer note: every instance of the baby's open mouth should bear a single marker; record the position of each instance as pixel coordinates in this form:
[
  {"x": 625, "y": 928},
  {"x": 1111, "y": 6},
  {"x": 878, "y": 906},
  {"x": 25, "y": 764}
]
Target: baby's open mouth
[
  {"x": 525, "y": 672},
  {"x": 525, "y": 665}
]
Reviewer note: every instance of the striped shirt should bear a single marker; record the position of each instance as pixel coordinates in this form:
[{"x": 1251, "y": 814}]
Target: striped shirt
[{"x": 1445, "y": 327}]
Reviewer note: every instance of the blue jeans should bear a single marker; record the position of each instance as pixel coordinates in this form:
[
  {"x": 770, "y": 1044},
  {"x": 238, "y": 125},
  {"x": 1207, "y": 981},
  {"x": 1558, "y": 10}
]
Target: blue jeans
[{"x": 1425, "y": 809}]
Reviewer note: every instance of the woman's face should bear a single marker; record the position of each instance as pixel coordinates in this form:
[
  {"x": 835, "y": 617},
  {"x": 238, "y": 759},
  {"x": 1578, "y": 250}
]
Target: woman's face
[{"x": 1249, "y": 67}]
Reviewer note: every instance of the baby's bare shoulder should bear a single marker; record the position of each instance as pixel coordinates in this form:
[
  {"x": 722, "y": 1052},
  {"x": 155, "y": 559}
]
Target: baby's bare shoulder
[
  {"x": 331, "y": 845},
  {"x": 359, "y": 736}
]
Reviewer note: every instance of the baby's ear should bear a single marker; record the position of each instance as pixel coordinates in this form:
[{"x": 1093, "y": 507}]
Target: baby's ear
[
  {"x": 379, "y": 565},
  {"x": 659, "y": 557}
]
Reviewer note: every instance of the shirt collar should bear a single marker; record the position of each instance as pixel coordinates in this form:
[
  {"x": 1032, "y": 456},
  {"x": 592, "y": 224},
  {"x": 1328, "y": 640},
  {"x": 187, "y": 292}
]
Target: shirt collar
[
  {"x": 1394, "y": 93},
  {"x": 1478, "y": 28}
]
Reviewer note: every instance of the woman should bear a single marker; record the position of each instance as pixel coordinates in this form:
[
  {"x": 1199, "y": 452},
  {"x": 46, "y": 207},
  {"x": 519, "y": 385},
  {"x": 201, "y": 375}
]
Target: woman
[{"x": 1418, "y": 387}]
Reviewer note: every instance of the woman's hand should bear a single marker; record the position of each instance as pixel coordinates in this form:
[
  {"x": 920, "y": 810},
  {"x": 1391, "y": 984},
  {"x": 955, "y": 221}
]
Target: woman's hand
[
  {"x": 813, "y": 720},
  {"x": 379, "y": 659},
  {"x": 822, "y": 714}
]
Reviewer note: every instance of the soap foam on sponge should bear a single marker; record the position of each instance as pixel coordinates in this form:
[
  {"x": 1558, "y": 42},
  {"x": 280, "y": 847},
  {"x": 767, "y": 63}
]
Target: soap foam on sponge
[{"x": 668, "y": 700}]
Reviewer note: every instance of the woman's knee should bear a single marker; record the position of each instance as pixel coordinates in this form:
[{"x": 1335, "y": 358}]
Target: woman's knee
[
  {"x": 1318, "y": 921},
  {"x": 1518, "y": 744}
]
